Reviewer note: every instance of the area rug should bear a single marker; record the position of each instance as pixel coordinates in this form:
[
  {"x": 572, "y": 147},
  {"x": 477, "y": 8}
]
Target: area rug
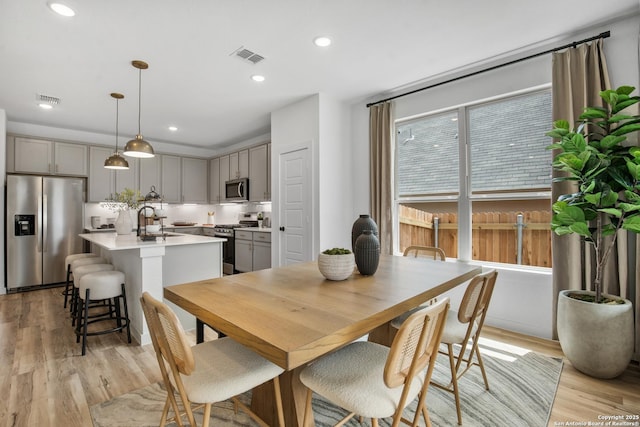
[{"x": 522, "y": 389}]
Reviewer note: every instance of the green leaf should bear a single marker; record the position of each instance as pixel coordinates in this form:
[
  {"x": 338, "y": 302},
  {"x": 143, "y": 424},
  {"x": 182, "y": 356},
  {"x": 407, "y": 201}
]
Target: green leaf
[
  {"x": 568, "y": 215},
  {"x": 625, "y": 90},
  {"x": 562, "y": 124},
  {"x": 561, "y": 231},
  {"x": 608, "y": 230},
  {"x": 633, "y": 169},
  {"x": 632, "y": 224},
  {"x": 593, "y": 113},
  {"x": 609, "y": 198},
  {"x": 580, "y": 228},
  {"x": 619, "y": 106},
  {"x": 610, "y": 96},
  {"x": 594, "y": 199},
  {"x": 612, "y": 211},
  {"x": 629, "y": 207},
  {"x": 610, "y": 141},
  {"x": 619, "y": 117},
  {"x": 627, "y": 128}
]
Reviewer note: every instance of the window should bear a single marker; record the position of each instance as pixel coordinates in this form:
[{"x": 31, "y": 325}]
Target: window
[{"x": 499, "y": 210}]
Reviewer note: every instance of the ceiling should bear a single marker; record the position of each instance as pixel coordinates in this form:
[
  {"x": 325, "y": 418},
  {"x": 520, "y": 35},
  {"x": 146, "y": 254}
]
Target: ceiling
[{"x": 196, "y": 83}]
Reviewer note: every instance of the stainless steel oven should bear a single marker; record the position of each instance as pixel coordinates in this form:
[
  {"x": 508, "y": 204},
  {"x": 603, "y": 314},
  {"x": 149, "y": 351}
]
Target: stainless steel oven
[{"x": 229, "y": 247}]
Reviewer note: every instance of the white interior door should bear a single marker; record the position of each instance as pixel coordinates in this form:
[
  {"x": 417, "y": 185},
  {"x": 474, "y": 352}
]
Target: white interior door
[{"x": 295, "y": 207}]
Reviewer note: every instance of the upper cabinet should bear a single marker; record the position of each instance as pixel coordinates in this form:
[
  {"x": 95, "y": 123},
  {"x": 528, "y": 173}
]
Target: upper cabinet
[
  {"x": 194, "y": 180},
  {"x": 239, "y": 164},
  {"x": 259, "y": 173},
  {"x": 150, "y": 175},
  {"x": 214, "y": 181},
  {"x": 49, "y": 157},
  {"x": 101, "y": 183},
  {"x": 252, "y": 163},
  {"x": 171, "y": 179}
]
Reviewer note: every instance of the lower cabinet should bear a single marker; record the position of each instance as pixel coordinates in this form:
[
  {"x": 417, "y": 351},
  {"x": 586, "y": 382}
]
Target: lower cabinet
[{"x": 252, "y": 250}]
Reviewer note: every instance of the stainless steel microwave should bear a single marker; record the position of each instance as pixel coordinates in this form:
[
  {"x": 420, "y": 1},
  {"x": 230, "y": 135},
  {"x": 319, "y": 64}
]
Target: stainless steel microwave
[{"x": 237, "y": 190}]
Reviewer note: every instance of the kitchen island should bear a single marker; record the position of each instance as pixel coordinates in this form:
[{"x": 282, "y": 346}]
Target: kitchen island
[{"x": 152, "y": 265}]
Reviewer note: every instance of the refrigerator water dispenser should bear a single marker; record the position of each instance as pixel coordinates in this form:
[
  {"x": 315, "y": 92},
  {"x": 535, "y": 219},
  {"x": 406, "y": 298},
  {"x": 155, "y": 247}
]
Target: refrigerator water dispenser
[{"x": 25, "y": 225}]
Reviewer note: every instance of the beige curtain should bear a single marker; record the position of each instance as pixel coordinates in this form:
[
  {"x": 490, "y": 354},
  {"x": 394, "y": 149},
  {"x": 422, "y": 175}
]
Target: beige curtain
[
  {"x": 380, "y": 171},
  {"x": 579, "y": 74}
]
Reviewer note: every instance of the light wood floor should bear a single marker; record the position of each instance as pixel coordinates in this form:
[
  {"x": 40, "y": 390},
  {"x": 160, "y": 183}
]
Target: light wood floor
[{"x": 45, "y": 382}]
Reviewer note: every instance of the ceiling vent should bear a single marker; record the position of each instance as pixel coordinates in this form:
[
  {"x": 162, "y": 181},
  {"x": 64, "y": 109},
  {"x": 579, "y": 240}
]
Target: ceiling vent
[
  {"x": 247, "y": 55},
  {"x": 48, "y": 99}
]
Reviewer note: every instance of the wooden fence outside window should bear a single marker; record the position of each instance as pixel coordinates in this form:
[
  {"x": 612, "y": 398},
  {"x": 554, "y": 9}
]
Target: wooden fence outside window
[{"x": 494, "y": 234}]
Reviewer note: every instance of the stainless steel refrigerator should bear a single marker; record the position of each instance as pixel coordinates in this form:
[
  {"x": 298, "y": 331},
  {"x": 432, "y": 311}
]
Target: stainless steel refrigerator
[{"x": 44, "y": 216}]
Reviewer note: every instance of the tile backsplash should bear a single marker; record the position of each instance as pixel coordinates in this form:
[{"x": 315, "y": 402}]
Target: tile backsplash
[{"x": 223, "y": 214}]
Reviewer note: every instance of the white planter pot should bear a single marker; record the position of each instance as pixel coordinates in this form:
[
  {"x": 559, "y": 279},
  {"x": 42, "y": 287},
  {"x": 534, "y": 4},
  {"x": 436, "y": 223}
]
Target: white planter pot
[
  {"x": 596, "y": 338},
  {"x": 124, "y": 224},
  {"x": 336, "y": 267}
]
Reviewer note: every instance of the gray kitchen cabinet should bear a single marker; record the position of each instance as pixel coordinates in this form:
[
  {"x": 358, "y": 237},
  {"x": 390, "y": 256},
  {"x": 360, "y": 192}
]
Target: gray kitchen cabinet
[
  {"x": 127, "y": 178},
  {"x": 243, "y": 251},
  {"x": 101, "y": 182},
  {"x": 150, "y": 173},
  {"x": 259, "y": 189},
  {"x": 214, "y": 181},
  {"x": 239, "y": 164},
  {"x": 261, "y": 250},
  {"x": 194, "y": 180},
  {"x": 252, "y": 250},
  {"x": 171, "y": 179},
  {"x": 49, "y": 157}
]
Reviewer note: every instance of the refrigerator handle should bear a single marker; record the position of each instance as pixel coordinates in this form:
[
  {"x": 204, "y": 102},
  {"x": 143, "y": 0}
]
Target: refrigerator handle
[{"x": 43, "y": 237}]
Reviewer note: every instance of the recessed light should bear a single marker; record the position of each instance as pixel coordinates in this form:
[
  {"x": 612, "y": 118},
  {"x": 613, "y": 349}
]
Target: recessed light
[
  {"x": 45, "y": 106},
  {"x": 257, "y": 78},
  {"x": 322, "y": 41},
  {"x": 173, "y": 128},
  {"x": 62, "y": 9}
]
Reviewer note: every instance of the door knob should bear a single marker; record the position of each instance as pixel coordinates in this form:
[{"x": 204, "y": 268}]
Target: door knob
[{"x": 281, "y": 228}]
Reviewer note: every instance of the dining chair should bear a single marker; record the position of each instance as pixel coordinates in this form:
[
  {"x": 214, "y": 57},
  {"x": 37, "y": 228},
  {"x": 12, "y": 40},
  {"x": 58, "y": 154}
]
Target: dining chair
[
  {"x": 375, "y": 381},
  {"x": 463, "y": 328},
  {"x": 213, "y": 371},
  {"x": 425, "y": 251},
  {"x": 419, "y": 251}
]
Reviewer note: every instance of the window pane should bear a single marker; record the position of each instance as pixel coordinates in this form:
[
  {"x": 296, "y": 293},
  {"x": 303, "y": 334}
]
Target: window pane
[
  {"x": 508, "y": 143},
  {"x": 495, "y": 235},
  {"x": 427, "y": 155},
  {"x": 429, "y": 224}
]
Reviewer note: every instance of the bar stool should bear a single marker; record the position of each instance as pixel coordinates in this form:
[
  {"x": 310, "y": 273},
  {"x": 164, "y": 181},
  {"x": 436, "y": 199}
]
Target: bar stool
[
  {"x": 80, "y": 271},
  {"x": 75, "y": 263},
  {"x": 67, "y": 261},
  {"x": 102, "y": 285}
]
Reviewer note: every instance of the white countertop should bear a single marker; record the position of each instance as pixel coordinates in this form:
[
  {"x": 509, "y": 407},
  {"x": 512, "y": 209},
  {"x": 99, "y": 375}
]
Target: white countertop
[
  {"x": 114, "y": 242},
  {"x": 263, "y": 229}
]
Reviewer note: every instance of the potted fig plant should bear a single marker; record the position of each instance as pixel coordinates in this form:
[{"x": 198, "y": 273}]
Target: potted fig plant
[{"x": 596, "y": 329}]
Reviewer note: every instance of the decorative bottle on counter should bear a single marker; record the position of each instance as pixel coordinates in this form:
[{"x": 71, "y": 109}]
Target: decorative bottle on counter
[
  {"x": 365, "y": 222},
  {"x": 367, "y": 253}
]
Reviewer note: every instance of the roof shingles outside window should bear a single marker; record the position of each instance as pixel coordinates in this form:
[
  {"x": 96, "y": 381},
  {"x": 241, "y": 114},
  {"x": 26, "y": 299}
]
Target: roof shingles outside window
[{"x": 507, "y": 141}]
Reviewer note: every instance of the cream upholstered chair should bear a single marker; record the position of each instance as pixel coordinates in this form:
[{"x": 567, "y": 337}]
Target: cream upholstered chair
[
  {"x": 375, "y": 381},
  {"x": 431, "y": 252},
  {"x": 206, "y": 373},
  {"x": 425, "y": 251},
  {"x": 463, "y": 329},
  {"x": 67, "y": 262}
]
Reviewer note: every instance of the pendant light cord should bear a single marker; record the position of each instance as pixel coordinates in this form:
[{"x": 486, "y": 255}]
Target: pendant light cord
[
  {"x": 117, "y": 115},
  {"x": 139, "y": 96}
]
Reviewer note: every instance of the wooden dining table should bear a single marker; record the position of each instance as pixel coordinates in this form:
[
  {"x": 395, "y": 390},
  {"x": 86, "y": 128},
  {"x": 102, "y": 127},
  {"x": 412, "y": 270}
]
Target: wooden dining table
[{"x": 292, "y": 315}]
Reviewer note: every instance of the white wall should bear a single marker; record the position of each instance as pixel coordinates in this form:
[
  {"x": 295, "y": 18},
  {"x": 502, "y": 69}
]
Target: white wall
[
  {"x": 3, "y": 174},
  {"x": 523, "y": 298}
]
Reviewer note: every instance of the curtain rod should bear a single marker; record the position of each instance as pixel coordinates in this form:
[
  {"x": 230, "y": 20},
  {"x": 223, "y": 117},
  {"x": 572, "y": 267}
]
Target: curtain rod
[{"x": 603, "y": 35}]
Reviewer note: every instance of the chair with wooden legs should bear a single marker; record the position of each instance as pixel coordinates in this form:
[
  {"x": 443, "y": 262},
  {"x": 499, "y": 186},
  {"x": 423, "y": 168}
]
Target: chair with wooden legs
[
  {"x": 213, "y": 371},
  {"x": 463, "y": 329},
  {"x": 430, "y": 252},
  {"x": 374, "y": 381}
]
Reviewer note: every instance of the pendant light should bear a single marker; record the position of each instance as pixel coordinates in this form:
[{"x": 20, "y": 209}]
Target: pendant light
[
  {"x": 138, "y": 147},
  {"x": 116, "y": 161}
]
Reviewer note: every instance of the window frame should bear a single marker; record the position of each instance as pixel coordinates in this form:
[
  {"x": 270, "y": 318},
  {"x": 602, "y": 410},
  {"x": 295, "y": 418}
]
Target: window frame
[{"x": 465, "y": 197}]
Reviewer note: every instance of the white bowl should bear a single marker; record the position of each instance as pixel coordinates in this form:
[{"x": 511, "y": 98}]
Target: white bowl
[
  {"x": 336, "y": 267},
  {"x": 153, "y": 228}
]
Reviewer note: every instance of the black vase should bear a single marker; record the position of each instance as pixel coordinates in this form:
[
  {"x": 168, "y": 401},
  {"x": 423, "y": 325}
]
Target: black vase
[
  {"x": 367, "y": 253},
  {"x": 365, "y": 222}
]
